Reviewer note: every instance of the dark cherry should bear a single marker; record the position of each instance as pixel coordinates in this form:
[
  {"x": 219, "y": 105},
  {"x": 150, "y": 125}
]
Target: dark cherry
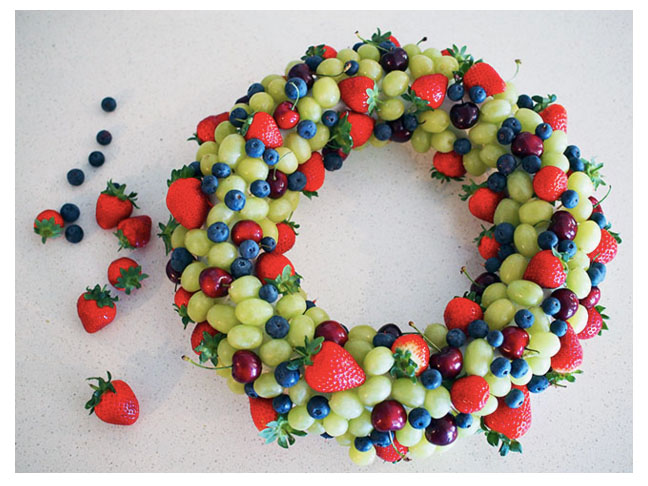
[
  {"x": 596, "y": 205},
  {"x": 568, "y": 303},
  {"x": 592, "y": 298},
  {"x": 515, "y": 341},
  {"x": 564, "y": 225},
  {"x": 464, "y": 115},
  {"x": 278, "y": 183},
  {"x": 246, "y": 366},
  {"x": 243, "y": 99},
  {"x": 483, "y": 281},
  {"x": 339, "y": 151},
  {"x": 526, "y": 143},
  {"x": 400, "y": 134},
  {"x": 442, "y": 431},
  {"x": 388, "y": 416},
  {"x": 246, "y": 230},
  {"x": 448, "y": 361},
  {"x": 214, "y": 282},
  {"x": 172, "y": 274},
  {"x": 392, "y": 329},
  {"x": 302, "y": 71},
  {"x": 332, "y": 331},
  {"x": 395, "y": 60}
]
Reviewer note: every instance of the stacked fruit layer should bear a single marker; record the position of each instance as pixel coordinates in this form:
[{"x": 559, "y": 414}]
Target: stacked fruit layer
[{"x": 394, "y": 393}]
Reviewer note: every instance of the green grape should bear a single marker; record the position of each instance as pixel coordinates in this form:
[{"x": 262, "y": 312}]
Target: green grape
[
  {"x": 524, "y": 292},
  {"x": 298, "y": 417},
  {"x": 522, "y": 381},
  {"x": 231, "y": 150},
  {"x": 287, "y": 160},
  {"x": 446, "y": 65},
  {"x": 255, "y": 209},
  {"x": 498, "y": 387},
  {"x": 499, "y": 313},
  {"x": 320, "y": 139},
  {"x": 299, "y": 146},
  {"x": 326, "y": 92},
  {"x": 578, "y": 282},
  {"x": 223, "y": 130},
  {"x": 438, "y": 402},
  {"x": 231, "y": 182},
  {"x": 197, "y": 242},
  {"x": 262, "y": 101},
  {"x": 252, "y": 169},
  {"x": 512, "y": 269},
  {"x": 495, "y": 111},
  {"x": 254, "y": 312},
  {"x": 588, "y": 236},
  {"x": 408, "y": 393},
  {"x": 535, "y": 211},
  {"x": 191, "y": 273},
  {"x": 358, "y": 349},
  {"x": 207, "y": 148},
  {"x": 510, "y": 94},
  {"x": 539, "y": 365},
  {"x": 309, "y": 109},
  {"x": 222, "y": 255},
  {"x": 443, "y": 142},
  {"x": 265, "y": 82},
  {"x": 277, "y": 89},
  {"x": 291, "y": 305},
  {"x": 490, "y": 407},
  {"x": 378, "y": 361},
  {"x": 490, "y": 153},
  {"x": 266, "y": 386},
  {"x": 420, "y": 65},
  {"x": 361, "y": 426},
  {"x": 478, "y": 357},
  {"x": 346, "y": 404},
  {"x": 483, "y": 133},
  {"x": 412, "y": 50},
  {"x": 473, "y": 163},
  {"x": 541, "y": 321},
  {"x": 225, "y": 353},
  {"x": 206, "y": 163},
  {"x": 301, "y": 327},
  {"x": 432, "y": 53},
  {"x": 334, "y": 424},
  {"x": 275, "y": 351},
  {"x": 300, "y": 393},
  {"x": 493, "y": 292},
  {"x": 434, "y": 121},
  {"x": 347, "y": 54},
  {"x": 420, "y": 140},
  {"x": 198, "y": 306},
  {"x": 579, "y": 320},
  {"x": 330, "y": 67},
  {"x": 318, "y": 315},
  {"x": 525, "y": 239},
  {"x": 222, "y": 318},
  {"x": 279, "y": 210},
  {"x": 362, "y": 332},
  {"x": 408, "y": 435},
  {"x": 178, "y": 236},
  {"x": 507, "y": 211},
  {"x": 367, "y": 51},
  {"x": 581, "y": 183},
  {"x": 345, "y": 439},
  {"x": 583, "y": 210},
  {"x": 557, "y": 142},
  {"x": 555, "y": 159},
  {"x": 317, "y": 428},
  {"x": 436, "y": 333},
  {"x": 474, "y": 428},
  {"x": 423, "y": 449},
  {"x": 269, "y": 228},
  {"x": 362, "y": 458},
  {"x": 377, "y": 143},
  {"x": 244, "y": 106},
  {"x": 220, "y": 212},
  {"x": 547, "y": 344},
  {"x": 519, "y": 186},
  {"x": 370, "y": 68},
  {"x": 235, "y": 386},
  {"x": 292, "y": 197},
  {"x": 395, "y": 83},
  {"x": 245, "y": 337},
  {"x": 391, "y": 109},
  {"x": 529, "y": 120}
]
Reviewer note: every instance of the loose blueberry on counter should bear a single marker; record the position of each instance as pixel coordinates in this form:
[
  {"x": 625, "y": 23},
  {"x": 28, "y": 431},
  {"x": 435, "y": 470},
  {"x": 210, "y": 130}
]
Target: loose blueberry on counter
[
  {"x": 268, "y": 244},
  {"x": 104, "y": 137},
  {"x": 525, "y": 101},
  {"x": 70, "y": 212},
  {"x": 524, "y": 318},
  {"x": 254, "y": 148},
  {"x": 551, "y": 306},
  {"x": 277, "y": 327},
  {"x": 519, "y": 368},
  {"x": 478, "y": 329},
  {"x": 218, "y": 232},
  {"x": 108, "y": 104},
  {"x": 462, "y": 146},
  {"x": 318, "y": 407},
  {"x": 531, "y": 164},
  {"x": 419, "y": 418},
  {"x": 456, "y": 91},
  {"x": 500, "y": 367},
  {"x": 75, "y": 177},
  {"x": 363, "y": 444},
  {"x": 74, "y": 233},
  {"x": 477, "y": 94},
  {"x": 282, "y": 403},
  {"x": 544, "y": 131},
  {"x": 514, "y": 398},
  {"x": 537, "y": 384},
  {"x": 330, "y": 118},
  {"x": 96, "y": 159},
  {"x": 463, "y": 420},
  {"x": 431, "y": 379},
  {"x": 558, "y": 327},
  {"x": 209, "y": 184},
  {"x": 269, "y": 293},
  {"x": 569, "y": 199},
  {"x": 285, "y": 375},
  {"x": 241, "y": 267},
  {"x": 221, "y": 170}
]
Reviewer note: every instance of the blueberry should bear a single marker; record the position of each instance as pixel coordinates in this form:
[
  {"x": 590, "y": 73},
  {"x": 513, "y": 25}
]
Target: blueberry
[
  {"x": 514, "y": 124},
  {"x": 572, "y": 151},
  {"x": 260, "y": 188},
  {"x": 74, "y": 233},
  {"x": 195, "y": 166},
  {"x": 551, "y": 306},
  {"x": 309, "y": 304},
  {"x": 455, "y": 338},
  {"x": 324, "y": 435},
  {"x": 504, "y": 233},
  {"x": 531, "y": 164},
  {"x": 410, "y": 122},
  {"x": 313, "y": 61},
  {"x": 558, "y": 327},
  {"x": 568, "y": 248},
  {"x": 496, "y": 182},
  {"x": 519, "y": 368},
  {"x": 547, "y": 240},
  {"x": 96, "y": 159},
  {"x": 543, "y": 131},
  {"x": 306, "y": 129},
  {"x": 383, "y": 339},
  {"x": 254, "y": 148},
  {"x": 249, "y": 390},
  {"x": 318, "y": 407},
  {"x": 269, "y": 293},
  {"x": 285, "y": 375},
  {"x": 104, "y": 137},
  {"x": 268, "y": 244},
  {"x": 221, "y": 170},
  {"x": 495, "y": 338},
  {"x": 576, "y": 165},
  {"x": 108, "y": 104},
  {"x": 237, "y": 117},
  {"x": 596, "y": 272},
  {"x": 506, "y": 164},
  {"x": 500, "y": 367},
  {"x": 381, "y": 439},
  {"x": 478, "y": 329},
  {"x": 249, "y": 249},
  {"x": 295, "y": 88},
  {"x": 330, "y": 118},
  {"x": 282, "y": 403},
  {"x": 180, "y": 259},
  {"x": 218, "y": 232},
  {"x": 505, "y": 251},
  {"x": 386, "y": 46},
  {"x": 382, "y": 131},
  {"x": 70, "y": 212},
  {"x": 462, "y": 146},
  {"x": 537, "y": 384},
  {"x": 600, "y": 219},
  {"x": 254, "y": 89},
  {"x": 351, "y": 67},
  {"x": 271, "y": 157},
  {"x": 524, "y": 318},
  {"x": 525, "y": 101},
  {"x": 75, "y": 177},
  {"x": 297, "y": 181},
  {"x": 456, "y": 91},
  {"x": 357, "y": 45},
  {"x": 569, "y": 199},
  {"x": 514, "y": 398},
  {"x": 363, "y": 444},
  {"x": 419, "y": 418},
  {"x": 209, "y": 184},
  {"x": 431, "y": 379},
  {"x": 241, "y": 267},
  {"x": 477, "y": 94},
  {"x": 463, "y": 420},
  {"x": 277, "y": 327},
  {"x": 493, "y": 264},
  {"x": 332, "y": 161},
  {"x": 235, "y": 200},
  {"x": 505, "y": 136}
]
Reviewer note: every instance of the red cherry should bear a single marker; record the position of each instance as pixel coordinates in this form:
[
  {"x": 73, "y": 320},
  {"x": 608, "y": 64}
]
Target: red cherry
[
  {"x": 526, "y": 143},
  {"x": 595, "y": 203},
  {"x": 246, "y": 366},
  {"x": 332, "y": 331},
  {"x": 449, "y": 362},
  {"x": 285, "y": 116},
  {"x": 278, "y": 183},
  {"x": 214, "y": 282},
  {"x": 246, "y": 230},
  {"x": 515, "y": 341},
  {"x": 592, "y": 298},
  {"x": 388, "y": 416}
]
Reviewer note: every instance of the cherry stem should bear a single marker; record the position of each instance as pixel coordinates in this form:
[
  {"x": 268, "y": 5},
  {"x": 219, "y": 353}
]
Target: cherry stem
[
  {"x": 391, "y": 441},
  {"x": 465, "y": 272},
  {"x": 606, "y": 195},
  {"x": 424, "y": 39},
  {"x": 187, "y": 358},
  {"x": 532, "y": 350},
  {"x": 518, "y": 63},
  {"x": 427, "y": 340}
]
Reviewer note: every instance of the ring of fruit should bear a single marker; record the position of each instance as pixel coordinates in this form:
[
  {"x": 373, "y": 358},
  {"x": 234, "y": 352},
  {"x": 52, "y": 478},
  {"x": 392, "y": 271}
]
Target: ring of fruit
[{"x": 398, "y": 392}]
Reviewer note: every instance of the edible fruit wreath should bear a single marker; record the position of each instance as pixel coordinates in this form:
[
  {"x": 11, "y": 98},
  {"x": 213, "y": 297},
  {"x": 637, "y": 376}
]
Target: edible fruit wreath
[{"x": 398, "y": 392}]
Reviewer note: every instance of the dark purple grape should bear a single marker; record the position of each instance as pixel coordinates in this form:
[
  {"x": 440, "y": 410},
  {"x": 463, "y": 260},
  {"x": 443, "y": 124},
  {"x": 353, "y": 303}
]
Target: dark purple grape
[
  {"x": 526, "y": 143},
  {"x": 568, "y": 303},
  {"x": 464, "y": 115},
  {"x": 391, "y": 329},
  {"x": 483, "y": 281},
  {"x": 172, "y": 274},
  {"x": 278, "y": 183},
  {"x": 442, "y": 431},
  {"x": 395, "y": 60},
  {"x": 564, "y": 225},
  {"x": 400, "y": 134},
  {"x": 302, "y": 71}
]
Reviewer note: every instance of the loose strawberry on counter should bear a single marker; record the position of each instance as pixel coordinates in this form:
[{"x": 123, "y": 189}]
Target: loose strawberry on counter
[
  {"x": 96, "y": 308},
  {"x": 125, "y": 274},
  {"x": 134, "y": 232},
  {"x": 114, "y": 205},
  {"x": 113, "y": 401},
  {"x": 48, "y": 224}
]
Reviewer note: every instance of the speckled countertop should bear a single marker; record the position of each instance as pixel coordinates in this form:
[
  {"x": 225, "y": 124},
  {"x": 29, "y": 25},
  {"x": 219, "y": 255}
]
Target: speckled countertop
[{"x": 382, "y": 242}]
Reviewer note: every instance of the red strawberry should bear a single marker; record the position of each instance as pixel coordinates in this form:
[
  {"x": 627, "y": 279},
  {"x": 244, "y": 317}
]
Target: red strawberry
[
  {"x": 333, "y": 369},
  {"x": 207, "y": 126},
  {"x": 96, "y": 308},
  {"x": 285, "y": 116},
  {"x": 187, "y": 203},
  {"x": 314, "y": 171},
  {"x": 511, "y": 422},
  {"x": 460, "y": 312},
  {"x": 483, "y": 202},
  {"x": 48, "y": 224},
  {"x": 549, "y": 183},
  {"x": 329, "y": 52},
  {"x": 446, "y": 52},
  {"x": 125, "y": 274},
  {"x": 113, "y": 205},
  {"x": 488, "y": 247},
  {"x": 286, "y": 238},
  {"x": 482, "y": 74},
  {"x": 411, "y": 347},
  {"x": 262, "y": 412},
  {"x": 393, "y": 39},
  {"x": 431, "y": 88},
  {"x": 113, "y": 401},
  {"x": 570, "y": 355},
  {"x": 361, "y": 127},
  {"x": 448, "y": 166},
  {"x": 353, "y": 92},
  {"x": 197, "y": 334},
  {"x": 593, "y": 326},
  {"x": 606, "y": 249},
  {"x": 134, "y": 232},
  {"x": 390, "y": 454},
  {"x": 469, "y": 394},
  {"x": 556, "y": 116},
  {"x": 269, "y": 266},
  {"x": 262, "y": 126},
  {"x": 546, "y": 270},
  {"x": 181, "y": 299}
]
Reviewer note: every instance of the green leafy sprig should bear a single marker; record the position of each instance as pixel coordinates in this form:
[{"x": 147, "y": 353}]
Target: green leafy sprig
[
  {"x": 166, "y": 230},
  {"x": 495, "y": 439},
  {"x": 281, "y": 431}
]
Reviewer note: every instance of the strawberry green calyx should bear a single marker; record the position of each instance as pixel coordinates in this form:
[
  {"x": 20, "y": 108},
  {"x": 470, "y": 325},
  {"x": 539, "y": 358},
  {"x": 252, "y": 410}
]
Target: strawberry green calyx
[
  {"x": 195, "y": 137},
  {"x": 100, "y": 388},
  {"x": 486, "y": 232},
  {"x": 185, "y": 172},
  {"x": 166, "y": 230},
  {"x": 556, "y": 378},
  {"x": 563, "y": 257},
  {"x": 376, "y": 38},
  {"x": 470, "y": 189},
  {"x": 208, "y": 347},
  {"x": 305, "y": 353},
  {"x": 119, "y": 191},
  {"x": 593, "y": 171},
  {"x": 435, "y": 174},
  {"x": 123, "y": 241},
  {"x": 341, "y": 136},
  {"x": 182, "y": 312},
  {"x": 101, "y": 296},
  {"x": 281, "y": 431},
  {"x": 373, "y": 101},
  {"x": 541, "y": 103},
  {"x": 292, "y": 224},
  {"x": 130, "y": 278},
  {"x": 286, "y": 283},
  {"x": 310, "y": 194},
  {"x": 317, "y": 50},
  {"x": 494, "y": 438},
  {"x": 248, "y": 121},
  {"x": 419, "y": 105},
  {"x": 47, "y": 228},
  {"x": 404, "y": 366},
  {"x": 466, "y": 61},
  {"x": 604, "y": 327}
]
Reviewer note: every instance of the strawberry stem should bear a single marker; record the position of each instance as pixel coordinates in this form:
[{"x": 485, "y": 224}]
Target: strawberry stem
[{"x": 187, "y": 358}]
